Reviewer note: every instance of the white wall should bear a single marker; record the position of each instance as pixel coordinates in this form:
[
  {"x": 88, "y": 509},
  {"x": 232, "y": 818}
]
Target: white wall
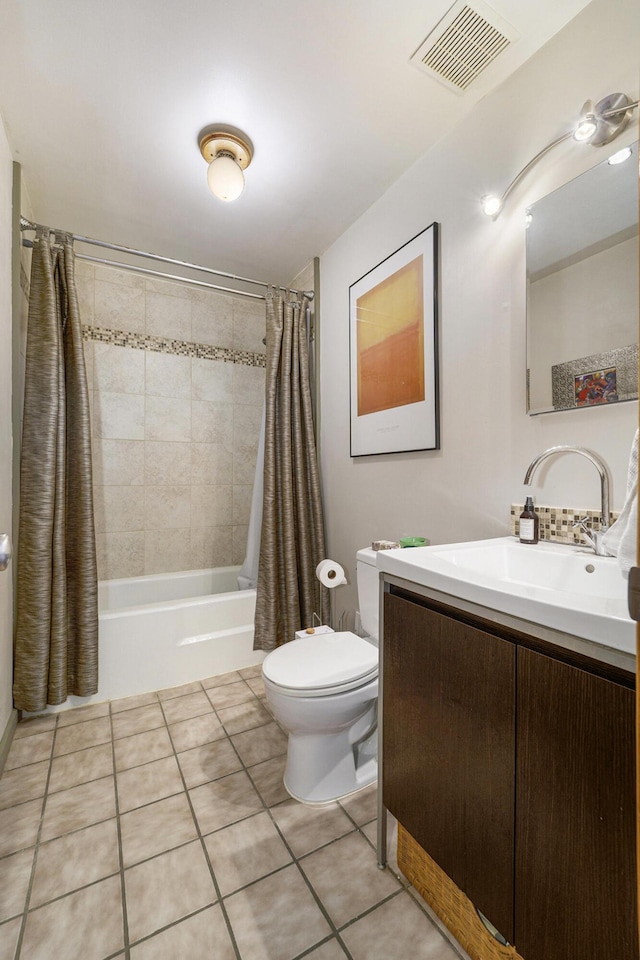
[
  {"x": 6, "y": 588},
  {"x": 464, "y": 490}
]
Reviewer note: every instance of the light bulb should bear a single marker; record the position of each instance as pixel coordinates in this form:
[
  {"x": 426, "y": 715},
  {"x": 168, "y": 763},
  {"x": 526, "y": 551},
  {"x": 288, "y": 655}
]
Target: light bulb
[
  {"x": 225, "y": 178},
  {"x": 620, "y": 156},
  {"x": 491, "y": 206},
  {"x": 587, "y": 124}
]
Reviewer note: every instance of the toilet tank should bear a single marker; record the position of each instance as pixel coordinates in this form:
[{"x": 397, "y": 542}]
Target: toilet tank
[{"x": 368, "y": 591}]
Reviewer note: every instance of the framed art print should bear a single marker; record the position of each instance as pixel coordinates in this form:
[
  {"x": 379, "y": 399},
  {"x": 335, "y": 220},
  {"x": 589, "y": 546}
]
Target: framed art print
[{"x": 393, "y": 326}]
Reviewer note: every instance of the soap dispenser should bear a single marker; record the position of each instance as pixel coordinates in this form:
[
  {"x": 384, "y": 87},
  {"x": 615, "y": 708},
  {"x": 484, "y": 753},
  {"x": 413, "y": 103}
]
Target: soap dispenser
[{"x": 529, "y": 523}]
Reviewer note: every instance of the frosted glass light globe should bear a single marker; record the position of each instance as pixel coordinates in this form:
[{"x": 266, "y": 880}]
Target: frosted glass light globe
[{"x": 225, "y": 178}]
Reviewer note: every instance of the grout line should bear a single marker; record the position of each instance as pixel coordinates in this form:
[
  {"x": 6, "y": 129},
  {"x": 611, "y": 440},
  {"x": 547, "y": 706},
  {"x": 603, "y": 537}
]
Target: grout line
[{"x": 123, "y": 894}]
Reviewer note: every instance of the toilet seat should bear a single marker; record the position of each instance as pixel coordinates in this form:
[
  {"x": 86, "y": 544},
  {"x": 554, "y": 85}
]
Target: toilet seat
[{"x": 322, "y": 664}]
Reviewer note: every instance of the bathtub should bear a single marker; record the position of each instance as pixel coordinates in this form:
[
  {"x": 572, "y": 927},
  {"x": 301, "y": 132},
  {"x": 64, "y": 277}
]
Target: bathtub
[{"x": 172, "y": 628}]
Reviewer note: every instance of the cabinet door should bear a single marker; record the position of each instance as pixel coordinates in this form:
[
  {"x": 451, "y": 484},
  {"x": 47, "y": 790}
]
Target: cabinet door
[
  {"x": 575, "y": 824},
  {"x": 448, "y": 744}
]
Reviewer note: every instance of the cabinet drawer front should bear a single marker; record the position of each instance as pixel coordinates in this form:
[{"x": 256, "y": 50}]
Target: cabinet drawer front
[
  {"x": 575, "y": 815},
  {"x": 449, "y": 741}
]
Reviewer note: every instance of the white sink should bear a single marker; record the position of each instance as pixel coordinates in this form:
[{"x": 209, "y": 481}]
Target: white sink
[{"x": 556, "y": 585}]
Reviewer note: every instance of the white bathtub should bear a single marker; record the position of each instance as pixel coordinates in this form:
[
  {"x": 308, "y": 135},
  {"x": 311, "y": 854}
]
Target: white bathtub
[{"x": 168, "y": 629}]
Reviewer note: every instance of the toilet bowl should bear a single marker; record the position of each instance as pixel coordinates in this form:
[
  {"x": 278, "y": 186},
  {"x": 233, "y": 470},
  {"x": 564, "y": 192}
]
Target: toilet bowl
[{"x": 323, "y": 691}]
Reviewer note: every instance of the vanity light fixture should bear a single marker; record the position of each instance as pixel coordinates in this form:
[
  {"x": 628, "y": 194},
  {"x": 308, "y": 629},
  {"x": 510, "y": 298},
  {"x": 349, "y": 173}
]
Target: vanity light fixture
[
  {"x": 227, "y": 154},
  {"x": 597, "y": 125}
]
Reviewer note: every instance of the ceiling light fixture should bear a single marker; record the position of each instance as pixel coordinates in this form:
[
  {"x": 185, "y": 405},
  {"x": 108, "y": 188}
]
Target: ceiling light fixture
[
  {"x": 620, "y": 156},
  {"x": 227, "y": 155},
  {"x": 596, "y": 126}
]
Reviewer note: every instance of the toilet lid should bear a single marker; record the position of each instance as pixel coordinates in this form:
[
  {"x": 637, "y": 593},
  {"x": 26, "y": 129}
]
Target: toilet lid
[{"x": 322, "y": 660}]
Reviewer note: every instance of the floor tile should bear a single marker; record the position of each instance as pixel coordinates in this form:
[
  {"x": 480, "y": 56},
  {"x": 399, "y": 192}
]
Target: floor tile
[
  {"x": 257, "y": 685},
  {"x": 141, "y": 748},
  {"x": 346, "y": 878},
  {"x": 27, "y": 728},
  {"x": 130, "y": 703},
  {"x": 68, "y": 928},
  {"x": 201, "y": 937},
  {"x": 398, "y": 928},
  {"x": 75, "y": 860},
  {"x": 156, "y": 828},
  {"x": 19, "y": 826},
  {"x": 260, "y": 744},
  {"x": 267, "y": 777},
  {"x": 29, "y": 750},
  {"x": 9, "y": 933},
  {"x": 208, "y": 762},
  {"x": 82, "y": 735},
  {"x": 306, "y": 827},
  {"x": 183, "y": 708},
  {"x": 167, "y": 888},
  {"x": 79, "y": 714},
  {"x": 23, "y": 783},
  {"x": 276, "y": 918},
  {"x": 151, "y": 781},
  {"x": 244, "y": 716},
  {"x": 186, "y": 688},
  {"x": 225, "y": 801},
  {"x": 79, "y": 807},
  {"x": 230, "y": 694},
  {"x": 81, "y": 767},
  {"x": 249, "y": 672},
  {"x": 15, "y": 873},
  {"x": 329, "y": 951},
  {"x": 139, "y": 720},
  {"x": 363, "y": 805},
  {"x": 191, "y": 733},
  {"x": 245, "y": 852},
  {"x": 221, "y": 680}
]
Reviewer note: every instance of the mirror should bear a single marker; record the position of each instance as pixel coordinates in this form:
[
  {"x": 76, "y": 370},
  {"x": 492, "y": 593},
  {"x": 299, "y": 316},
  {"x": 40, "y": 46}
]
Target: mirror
[{"x": 582, "y": 291}]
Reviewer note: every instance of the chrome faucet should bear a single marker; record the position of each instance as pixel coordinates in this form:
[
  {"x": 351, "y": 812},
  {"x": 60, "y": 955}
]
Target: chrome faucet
[{"x": 592, "y": 537}]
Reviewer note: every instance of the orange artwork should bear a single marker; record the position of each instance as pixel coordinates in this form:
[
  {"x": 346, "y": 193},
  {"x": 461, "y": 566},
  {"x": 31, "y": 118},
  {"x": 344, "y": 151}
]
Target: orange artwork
[{"x": 390, "y": 342}]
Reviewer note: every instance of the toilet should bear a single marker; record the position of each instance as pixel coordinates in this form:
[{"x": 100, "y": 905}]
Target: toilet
[{"x": 323, "y": 690}]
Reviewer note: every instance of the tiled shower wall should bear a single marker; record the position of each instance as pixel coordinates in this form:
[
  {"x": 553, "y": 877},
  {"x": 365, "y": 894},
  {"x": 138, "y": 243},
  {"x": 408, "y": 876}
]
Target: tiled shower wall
[{"x": 175, "y": 425}]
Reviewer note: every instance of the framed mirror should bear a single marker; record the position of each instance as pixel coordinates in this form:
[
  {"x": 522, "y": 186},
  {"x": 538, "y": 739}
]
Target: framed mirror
[{"x": 582, "y": 290}]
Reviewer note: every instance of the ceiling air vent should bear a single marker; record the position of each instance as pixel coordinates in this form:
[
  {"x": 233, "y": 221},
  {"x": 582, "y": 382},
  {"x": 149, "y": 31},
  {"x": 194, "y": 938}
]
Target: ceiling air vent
[{"x": 464, "y": 43}]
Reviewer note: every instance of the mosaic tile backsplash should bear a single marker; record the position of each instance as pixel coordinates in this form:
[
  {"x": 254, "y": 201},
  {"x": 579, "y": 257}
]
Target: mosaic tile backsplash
[{"x": 556, "y": 523}]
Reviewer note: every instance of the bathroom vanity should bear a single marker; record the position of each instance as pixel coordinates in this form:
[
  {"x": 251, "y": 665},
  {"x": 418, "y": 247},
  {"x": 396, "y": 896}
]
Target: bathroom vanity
[{"x": 508, "y": 759}]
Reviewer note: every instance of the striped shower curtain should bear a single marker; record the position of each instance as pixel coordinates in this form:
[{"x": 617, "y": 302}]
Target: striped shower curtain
[
  {"x": 292, "y": 539},
  {"x": 56, "y": 649}
]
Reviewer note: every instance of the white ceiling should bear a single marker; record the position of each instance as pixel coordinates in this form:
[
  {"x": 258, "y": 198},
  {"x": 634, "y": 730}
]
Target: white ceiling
[{"x": 103, "y": 101}]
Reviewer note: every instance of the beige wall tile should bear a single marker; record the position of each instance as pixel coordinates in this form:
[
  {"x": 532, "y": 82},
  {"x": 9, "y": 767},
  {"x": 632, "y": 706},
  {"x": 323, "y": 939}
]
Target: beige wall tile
[
  {"x": 211, "y": 506},
  {"x": 120, "y": 555},
  {"x": 166, "y": 551},
  {"x": 87, "y": 346},
  {"x": 168, "y": 507},
  {"x": 211, "y": 463},
  {"x": 212, "y": 422},
  {"x": 119, "y": 305},
  {"x": 118, "y": 416},
  {"x": 118, "y": 462},
  {"x": 85, "y": 287},
  {"x": 246, "y": 426},
  {"x": 249, "y": 325},
  {"x": 211, "y": 547},
  {"x": 168, "y": 375},
  {"x": 248, "y": 384},
  {"x": 168, "y": 316},
  {"x": 84, "y": 269},
  {"x": 212, "y": 319},
  {"x": 119, "y": 508},
  {"x": 169, "y": 289},
  {"x": 212, "y": 380},
  {"x": 123, "y": 278},
  {"x": 244, "y": 464},
  {"x": 167, "y": 462},
  {"x": 239, "y": 552},
  {"x": 242, "y": 494},
  {"x": 167, "y": 419},
  {"x": 118, "y": 369}
]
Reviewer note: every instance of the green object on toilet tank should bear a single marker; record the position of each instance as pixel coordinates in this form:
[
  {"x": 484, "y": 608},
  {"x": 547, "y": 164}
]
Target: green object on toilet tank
[{"x": 413, "y": 541}]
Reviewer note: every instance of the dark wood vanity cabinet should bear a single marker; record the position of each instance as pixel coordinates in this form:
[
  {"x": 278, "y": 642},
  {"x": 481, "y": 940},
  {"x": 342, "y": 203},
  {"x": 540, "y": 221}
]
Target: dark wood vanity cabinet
[{"x": 514, "y": 770}]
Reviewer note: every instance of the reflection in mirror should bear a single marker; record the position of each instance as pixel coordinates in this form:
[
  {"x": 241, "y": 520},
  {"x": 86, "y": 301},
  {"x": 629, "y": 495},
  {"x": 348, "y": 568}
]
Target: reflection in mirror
[{"x": 582, "y": 290}]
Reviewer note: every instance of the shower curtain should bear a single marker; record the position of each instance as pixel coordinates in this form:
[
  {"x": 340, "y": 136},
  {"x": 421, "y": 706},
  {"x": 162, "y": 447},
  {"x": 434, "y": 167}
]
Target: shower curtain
[
  {"x": 56, "y": 648},
  {"x": 292, "y": 537}
]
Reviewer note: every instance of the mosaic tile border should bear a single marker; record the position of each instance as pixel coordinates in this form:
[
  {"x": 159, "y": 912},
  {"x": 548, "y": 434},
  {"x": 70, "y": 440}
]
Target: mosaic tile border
[
  {"x": 556, "y": 523},
  {"x": 180, "y": 348}
]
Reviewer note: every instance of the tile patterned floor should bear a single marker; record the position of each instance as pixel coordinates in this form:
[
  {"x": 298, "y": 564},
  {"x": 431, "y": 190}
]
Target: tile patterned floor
[{"x": 157, "y": 827}]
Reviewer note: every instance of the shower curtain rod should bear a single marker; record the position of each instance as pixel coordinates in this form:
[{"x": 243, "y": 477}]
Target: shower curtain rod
[{"x": 29, "y": 225}]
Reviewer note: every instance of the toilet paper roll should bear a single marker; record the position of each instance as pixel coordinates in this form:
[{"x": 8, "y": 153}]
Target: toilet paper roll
[{"x": 330, "y": 574}]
